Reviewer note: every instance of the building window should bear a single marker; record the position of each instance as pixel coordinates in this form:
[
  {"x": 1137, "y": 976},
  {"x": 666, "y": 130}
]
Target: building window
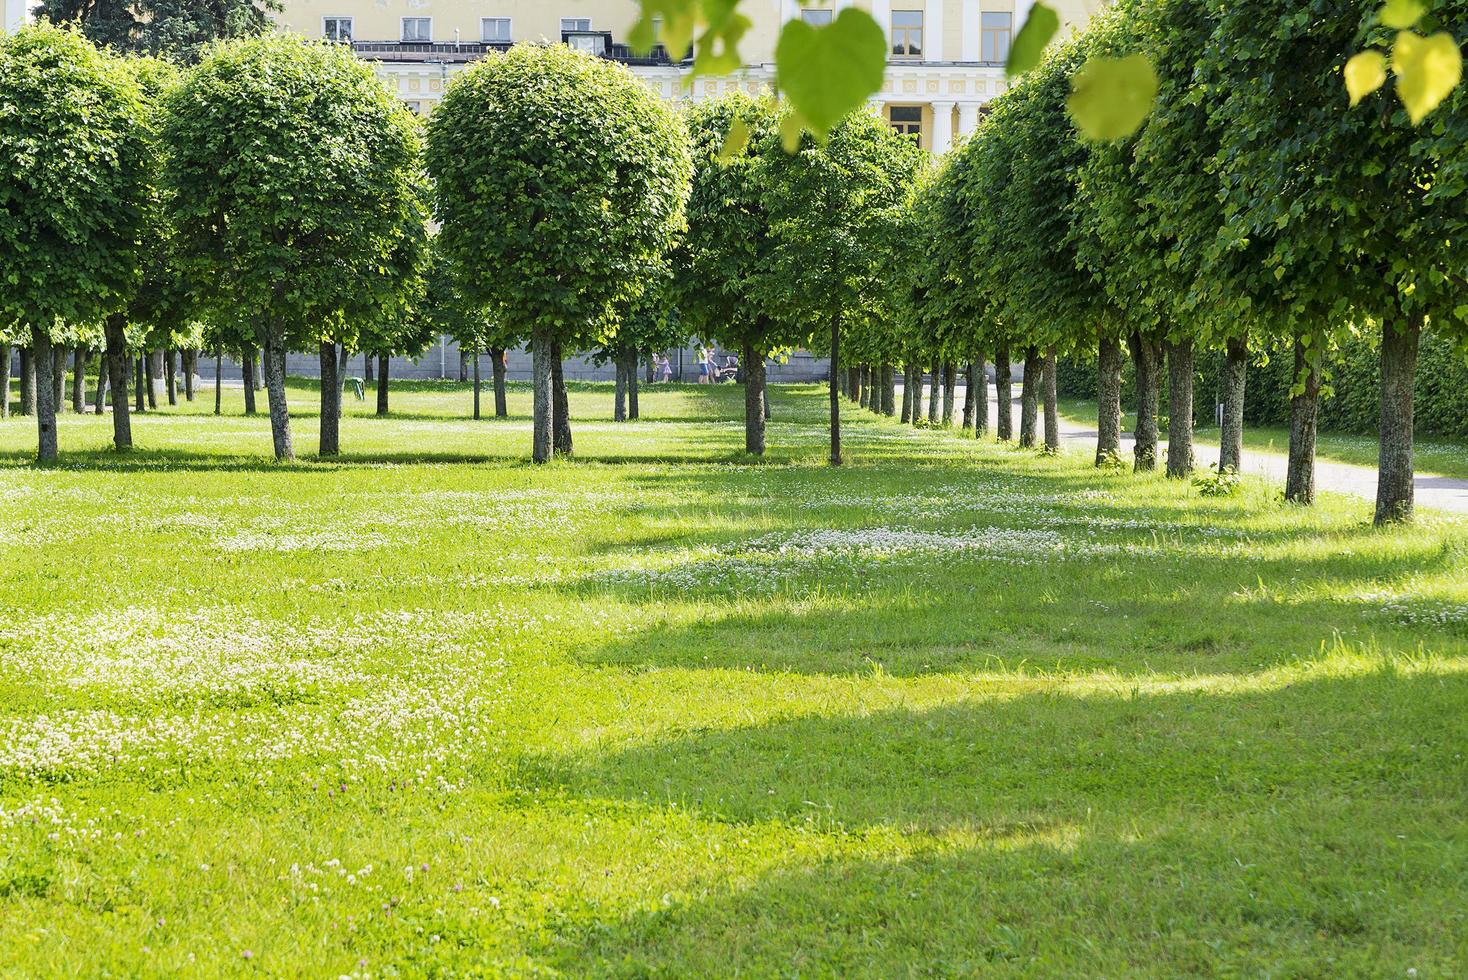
[
  {"x": 994, "y": 37},
  {"x": 495, "y": 29},
  {"x": 569, "y": 24},
  {"x": 417, "y": 28},
  {"x": 337, "y": 28},
  {"x": 907, "y": 33},
  {"x": 907, "y": 120},
  {"x": 816, "y": 16}
]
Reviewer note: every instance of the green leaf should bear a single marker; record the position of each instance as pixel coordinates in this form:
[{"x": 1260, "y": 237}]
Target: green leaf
[
  {"x": 735, "y": 141},
  {"x": 1402, "y": 14},
  {"x": 1427, "y": 68},
  {"x": 1365, "y": 73},
  {"x": 827, "y": 72},
  {"x": 1111, "y": 97},
  {"x": 1029, "y": 44}
]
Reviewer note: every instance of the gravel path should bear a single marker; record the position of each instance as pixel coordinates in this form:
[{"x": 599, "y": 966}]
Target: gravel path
[{"x": 1438, "y": 492}]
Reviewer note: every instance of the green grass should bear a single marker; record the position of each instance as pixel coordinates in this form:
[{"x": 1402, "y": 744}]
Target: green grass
[
  {"x": 1434, "y": 456},
  {"x": 662, "y": 710}
]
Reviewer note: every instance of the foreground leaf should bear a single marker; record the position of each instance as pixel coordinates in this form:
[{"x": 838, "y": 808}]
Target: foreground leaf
[
  {"x": 1029, "y": 44},
  {"x": 827, "y": 72},
  {"x": 1365, "y": 73},
  {"x": 1111, "y": 97},
  {"x": 1427, "y": 68},
  {"x": 1402, "y": 14}
]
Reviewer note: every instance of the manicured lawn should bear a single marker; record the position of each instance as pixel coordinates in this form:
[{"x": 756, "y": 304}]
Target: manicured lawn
[
  {"x": 951, "y": 709},
  {"x": 1436, "y": 456}
]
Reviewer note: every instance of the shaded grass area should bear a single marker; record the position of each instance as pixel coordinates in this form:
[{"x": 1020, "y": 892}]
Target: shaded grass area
[{"x": 664, "y": 710}]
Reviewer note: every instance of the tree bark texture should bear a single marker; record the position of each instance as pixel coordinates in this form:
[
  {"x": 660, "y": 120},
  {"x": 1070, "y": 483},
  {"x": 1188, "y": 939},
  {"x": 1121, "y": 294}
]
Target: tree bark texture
[
  {"x": 477, "y": 385},
  {"x": 218, "y": 380},
  {"x": 4, "y": 381},
  {"x": 170, "y": 364},
  {"x": 58, "y": 377},
  {"x": 1300, "y": 474},
  {"x": 190, "y": 369},
  {"x": 835, "y": 394},
  {"x": 27, "y": 381},
  {"x": 140, "y": 381},
  {"x": 384, "y": 363},
  {"x": 562, "y": 429},
  {"x": 950, "y": 393},
  {"x": 1029, "y": 397},
  {"x": 754, "y": 401},
  {"x": 970, "y": 395},
  {"x": 935, "y": 394},
  {"x": 1145, "y": 355},
  {"x": 1003, "y": 394},
  {"x": 1108, "y": 400},
  {"x": 79, "y": 355},
  {"x": 280, "y": 419},
  {"x": 540, "y": 357},
  {"x": 907, "y": 393},
  {"x": 45, "y": 396},
  {"x": 497, "y": 365},
  {"x": 115, "y": 333},
  {"x": 1394, "y": 482},
  {"x": 1052, "y": 405},
  {"x": 633, "y": 412},
  {"x": 247, "y": 366},
  {"x": 1231, "y": 433},
  {"x": 331, "y": 406},
  {"x": 1180, "y": 409},
  {"x": 619, "y": 392},
  {"x": 368, "y": 374}
]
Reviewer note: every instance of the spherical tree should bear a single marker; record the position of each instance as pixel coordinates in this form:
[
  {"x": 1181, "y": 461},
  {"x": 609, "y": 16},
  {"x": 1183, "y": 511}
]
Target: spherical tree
[
  {"x": 560, "y": 181},
  {"x": 294, "y": 186},
  {"x": 729, "y": 244},
  {"x": 72, "y": 174}
]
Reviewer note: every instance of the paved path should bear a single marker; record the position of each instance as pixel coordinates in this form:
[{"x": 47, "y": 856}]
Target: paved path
[{"x": 1439, "y": 492}]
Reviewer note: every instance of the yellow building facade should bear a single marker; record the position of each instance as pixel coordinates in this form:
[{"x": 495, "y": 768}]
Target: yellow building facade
[{"x": 946, "y": 56}]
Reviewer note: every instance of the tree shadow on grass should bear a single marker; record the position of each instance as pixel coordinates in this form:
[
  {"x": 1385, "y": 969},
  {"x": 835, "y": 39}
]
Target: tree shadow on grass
[{"x": 1256, "y": 824}]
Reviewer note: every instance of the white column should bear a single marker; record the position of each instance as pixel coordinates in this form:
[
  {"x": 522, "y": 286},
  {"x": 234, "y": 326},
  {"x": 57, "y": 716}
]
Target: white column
[
  {"x": 942, "y": 127},
  {"x": 882, "y": 14},
  {"x": 933, "y": 31},
  {"x": 970, "y": 50},
  {"x": 968, "y": 118}
]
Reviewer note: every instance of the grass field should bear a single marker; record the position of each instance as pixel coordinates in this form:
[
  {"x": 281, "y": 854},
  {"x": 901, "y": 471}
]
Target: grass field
[{"x": 663, "y": 711}]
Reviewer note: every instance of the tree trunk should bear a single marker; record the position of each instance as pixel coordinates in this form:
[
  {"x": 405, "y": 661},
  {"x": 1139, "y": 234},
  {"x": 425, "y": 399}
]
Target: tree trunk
[
  {"x": 1108, "y": 400},
  {"x": 190, "y": 370},
  {"x": 754, "y": 401},
  {"x": 853, "y": 383},
  {"x": 115, "y": 333},
  {"x": 99, "y": 404},
  {"x": 218, "y": 380},
  {"x": 633, "y": 412},
  {"x": 1029, "y": 396},
  {"x": 835, "y": 394},
  {"x": 562, "y": 429},
  {"x": 341, "y": 365},
  {"x": 1300, "y": 475},
  {"x": 368, "y": 374},
  {"x": 908, "y": 399},
  {"x": 935, "y": 393},
  {"x": 463, "y": 366},
  {"x": 331, "y": 405},
  {"x": 1003, "y": 394},
  {"x": 970, "y": 393},
  {"x": 981, "y": 398},
  {"x": 79, "y": 378},
  {"x": 280, "y": 419},
  {"x": 1180, "y": 409},
  {"x": 1144, "y": 359},
  {"x": 169, "y": 368},
  {"x": 4, "y": 381},
  {"x": 864, "y": 382},
  {"x": 540, "y": 356},
  {"x": 155, "y": 374},
  {"x": 619, "y": 394},
  {"x": 27, "y": 381},
  {"x": 45, "y": 396},
  {"x": 384, "y": 364},
  {"x": 765, "y": 395},
  {"x": 1231, "y": 433},
  {"x": 950, "y": 393},
  {"x": 140, "y": 381},
  {"x": 497, "y": 365},
  {"x": 259, "y": 368},
  {"x": 477, "y": 385},
  {"x": 247, "y": 367},
  {"x": 58, "y": 377},
  {"x": 1394, "y": 482},
  {"x": 1052, "y": 405}
]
